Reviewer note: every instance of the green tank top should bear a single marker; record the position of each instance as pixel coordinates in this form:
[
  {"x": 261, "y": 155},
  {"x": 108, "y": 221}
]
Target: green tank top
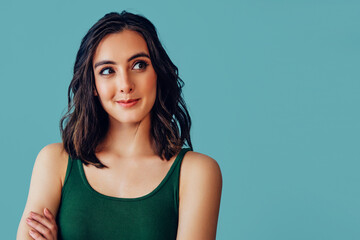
[{"x": 87, "y": 214}]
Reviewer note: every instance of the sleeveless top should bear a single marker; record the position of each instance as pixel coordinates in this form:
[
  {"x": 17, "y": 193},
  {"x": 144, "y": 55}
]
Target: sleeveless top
[{"x": 87, "y": 214}]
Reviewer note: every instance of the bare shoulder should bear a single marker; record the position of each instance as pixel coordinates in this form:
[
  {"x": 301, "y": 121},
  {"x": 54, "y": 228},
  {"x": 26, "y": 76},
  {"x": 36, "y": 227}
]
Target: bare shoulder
[
  {"x": 200, "y": 169},
  {"x": 53, "y": 150},
  {"x": 197, "y": 165},
  {"x": 53, "y": 158}
]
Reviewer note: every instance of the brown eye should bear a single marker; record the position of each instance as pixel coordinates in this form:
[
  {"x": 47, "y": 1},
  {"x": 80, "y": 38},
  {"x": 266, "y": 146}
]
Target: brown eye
[
  {"x": 141, "y": 65},
  {"x": 106, "y": 71}
]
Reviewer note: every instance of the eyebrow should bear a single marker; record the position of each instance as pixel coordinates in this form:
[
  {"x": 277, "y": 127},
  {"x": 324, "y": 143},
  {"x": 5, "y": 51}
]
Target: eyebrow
[{"x": 140, "y": 54}]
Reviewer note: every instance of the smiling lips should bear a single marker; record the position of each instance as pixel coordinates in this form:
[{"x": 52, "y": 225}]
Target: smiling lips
[{"x": 128, "y": 102}]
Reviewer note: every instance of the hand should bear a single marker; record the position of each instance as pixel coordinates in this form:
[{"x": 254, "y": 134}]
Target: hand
[{"x": 44, "y": 227}]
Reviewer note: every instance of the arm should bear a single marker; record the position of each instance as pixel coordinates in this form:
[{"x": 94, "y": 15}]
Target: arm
[
  {"x": 200, "y": 194},
  {"x": 45, "y": 186}
]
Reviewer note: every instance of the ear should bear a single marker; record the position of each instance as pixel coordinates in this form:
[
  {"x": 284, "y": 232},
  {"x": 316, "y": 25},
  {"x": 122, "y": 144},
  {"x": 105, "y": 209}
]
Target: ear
[{"x": 95, "y": 92}]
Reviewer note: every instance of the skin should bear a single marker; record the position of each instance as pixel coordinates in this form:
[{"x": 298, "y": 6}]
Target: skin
[{"x": 134, "y": 168}]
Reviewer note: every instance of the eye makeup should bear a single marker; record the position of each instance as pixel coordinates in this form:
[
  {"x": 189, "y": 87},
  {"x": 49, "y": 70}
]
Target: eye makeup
[{"x": 108, "y": 70}]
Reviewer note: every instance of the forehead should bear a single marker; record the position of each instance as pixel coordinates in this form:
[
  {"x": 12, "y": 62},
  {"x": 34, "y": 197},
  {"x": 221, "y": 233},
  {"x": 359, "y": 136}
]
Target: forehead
[{"x": 119, "y": 46}]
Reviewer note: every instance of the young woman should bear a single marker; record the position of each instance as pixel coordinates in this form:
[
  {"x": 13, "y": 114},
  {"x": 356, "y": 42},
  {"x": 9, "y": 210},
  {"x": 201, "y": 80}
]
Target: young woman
[{"x": 121, "y": 171}]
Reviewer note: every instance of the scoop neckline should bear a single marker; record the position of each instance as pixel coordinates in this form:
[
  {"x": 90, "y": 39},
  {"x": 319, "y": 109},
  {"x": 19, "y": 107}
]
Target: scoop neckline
[{"x": 159, "y": 186}]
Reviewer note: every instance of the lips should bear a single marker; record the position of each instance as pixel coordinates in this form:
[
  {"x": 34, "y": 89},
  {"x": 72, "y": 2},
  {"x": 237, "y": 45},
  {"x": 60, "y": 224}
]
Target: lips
[{"x": 128, "y": 100}]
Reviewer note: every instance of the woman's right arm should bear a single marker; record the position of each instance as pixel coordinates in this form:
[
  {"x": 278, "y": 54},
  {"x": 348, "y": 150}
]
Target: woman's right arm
[{"x": 46, "y": 184}]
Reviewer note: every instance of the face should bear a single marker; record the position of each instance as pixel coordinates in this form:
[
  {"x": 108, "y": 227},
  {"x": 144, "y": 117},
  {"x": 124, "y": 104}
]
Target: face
[{"x": 123, "y": 70}]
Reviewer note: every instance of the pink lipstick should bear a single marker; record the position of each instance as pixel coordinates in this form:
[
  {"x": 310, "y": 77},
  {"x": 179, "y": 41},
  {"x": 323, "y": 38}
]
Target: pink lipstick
[{"x": 128, "y": 103}]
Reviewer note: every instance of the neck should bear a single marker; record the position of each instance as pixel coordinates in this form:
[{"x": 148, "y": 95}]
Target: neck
[{"x": 128, "y": 140}]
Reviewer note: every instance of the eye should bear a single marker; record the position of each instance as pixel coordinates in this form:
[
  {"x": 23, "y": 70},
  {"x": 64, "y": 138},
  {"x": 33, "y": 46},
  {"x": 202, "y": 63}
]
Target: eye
[
  {"x": 106, "y": 71},
  {"x": 141, "y": 64}
]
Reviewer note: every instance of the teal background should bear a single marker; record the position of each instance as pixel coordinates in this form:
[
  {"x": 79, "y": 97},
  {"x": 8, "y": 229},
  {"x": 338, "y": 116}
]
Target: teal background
[{"x": 273, "y": 88}]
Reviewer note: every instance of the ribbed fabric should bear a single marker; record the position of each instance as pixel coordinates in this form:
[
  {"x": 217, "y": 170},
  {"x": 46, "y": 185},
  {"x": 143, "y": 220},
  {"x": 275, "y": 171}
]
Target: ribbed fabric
[{"x": 87, "y": 214}]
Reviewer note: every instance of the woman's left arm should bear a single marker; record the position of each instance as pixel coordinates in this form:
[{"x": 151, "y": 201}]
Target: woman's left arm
[{"x": 199, "y": 197}]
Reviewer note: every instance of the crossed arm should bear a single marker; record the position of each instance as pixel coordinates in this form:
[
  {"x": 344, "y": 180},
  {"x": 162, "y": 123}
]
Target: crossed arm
[{"x": 45, "y": 192}]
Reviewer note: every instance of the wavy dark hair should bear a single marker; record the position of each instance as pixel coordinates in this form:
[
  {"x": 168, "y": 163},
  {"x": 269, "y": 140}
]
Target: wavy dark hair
[{"x": 86, "y": 123}]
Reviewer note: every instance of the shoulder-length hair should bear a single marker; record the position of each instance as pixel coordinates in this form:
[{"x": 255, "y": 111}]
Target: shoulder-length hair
[{"x": 86, "y": 123}]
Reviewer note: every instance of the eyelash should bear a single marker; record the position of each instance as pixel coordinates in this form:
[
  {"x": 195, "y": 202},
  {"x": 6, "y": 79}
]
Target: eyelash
[{"x": 142, "y": 62}]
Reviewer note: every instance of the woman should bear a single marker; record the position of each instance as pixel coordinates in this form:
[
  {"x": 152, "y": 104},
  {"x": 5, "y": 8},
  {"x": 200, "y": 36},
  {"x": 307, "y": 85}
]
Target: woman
[{"x": 116, "y": 174}]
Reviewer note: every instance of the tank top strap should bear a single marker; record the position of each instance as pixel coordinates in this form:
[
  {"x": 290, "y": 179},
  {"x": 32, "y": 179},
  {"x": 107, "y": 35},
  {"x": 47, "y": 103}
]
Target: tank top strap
[
  {"x": 72, "y": 177},
  {"x": 179, "y": 159},
  {"x": 68, "y": 169},
  {"x": 176, "y": 176}
]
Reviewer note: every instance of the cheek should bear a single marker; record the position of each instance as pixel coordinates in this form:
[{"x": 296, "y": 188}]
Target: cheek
[
  {"x": 103, "y": 90},
  {"x": 150, "y": 88}
]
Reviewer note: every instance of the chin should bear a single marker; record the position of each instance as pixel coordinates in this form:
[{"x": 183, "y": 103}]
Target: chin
[{"x": 132, "y": 118}]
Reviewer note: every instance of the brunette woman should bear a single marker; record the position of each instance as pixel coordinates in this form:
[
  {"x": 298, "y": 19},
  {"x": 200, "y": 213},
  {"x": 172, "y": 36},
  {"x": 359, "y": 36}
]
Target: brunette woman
[{"x": 122, "y": 170}]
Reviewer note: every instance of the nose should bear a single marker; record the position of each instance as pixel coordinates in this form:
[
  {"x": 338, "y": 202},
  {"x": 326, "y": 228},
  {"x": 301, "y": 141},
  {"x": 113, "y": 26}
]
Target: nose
[{"x": 125, "y": 83}]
